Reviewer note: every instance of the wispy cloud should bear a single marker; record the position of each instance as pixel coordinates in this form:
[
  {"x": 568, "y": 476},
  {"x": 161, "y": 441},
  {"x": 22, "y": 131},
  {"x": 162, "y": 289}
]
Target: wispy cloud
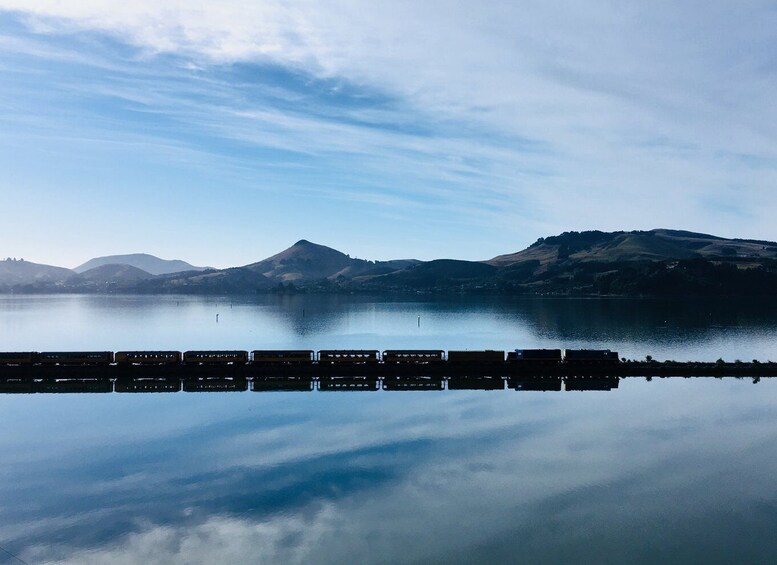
[
  {"x": 511, "y": 121},
  {"x": 228, "y": 484}
]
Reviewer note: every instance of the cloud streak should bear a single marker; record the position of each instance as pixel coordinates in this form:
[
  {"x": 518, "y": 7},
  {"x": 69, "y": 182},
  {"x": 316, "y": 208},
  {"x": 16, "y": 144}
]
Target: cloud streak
[
  {"x": 444, "y": 478},
  {"x": 512, "y": 120}
]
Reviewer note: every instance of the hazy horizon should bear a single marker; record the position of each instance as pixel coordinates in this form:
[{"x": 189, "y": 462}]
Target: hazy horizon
[{"x": 219, "y": 134}]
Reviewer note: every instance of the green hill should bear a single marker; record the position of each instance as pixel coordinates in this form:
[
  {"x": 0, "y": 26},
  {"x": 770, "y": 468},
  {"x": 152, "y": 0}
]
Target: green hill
[{"x": 626, "y": 263}]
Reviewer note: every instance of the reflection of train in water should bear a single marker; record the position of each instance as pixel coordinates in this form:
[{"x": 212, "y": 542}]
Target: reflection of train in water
[{"x": 543, "y": 357}]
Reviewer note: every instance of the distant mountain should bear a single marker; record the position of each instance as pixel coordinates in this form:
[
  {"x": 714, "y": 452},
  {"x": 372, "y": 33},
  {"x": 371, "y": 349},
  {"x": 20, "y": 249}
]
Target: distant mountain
[
  {"x": 306, "y": 261},
  {"x": 440, "y": 273},
  {"x": 115, "y": 273},
  {"x": 238, "y": 280},
  {"x": 148, "y": 263},
  {"x": 307, "y": 265},
  {"x": 635, "y": 263},
  {"x": 656, "y": 262},
  {"x": 105, "y": 278},
  {"x": 20, "y": 272},
  {"x": 654, "y": 245}
]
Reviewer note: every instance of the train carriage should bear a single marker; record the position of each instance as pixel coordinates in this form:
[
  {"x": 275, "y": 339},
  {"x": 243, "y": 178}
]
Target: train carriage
[
  {"x": 413, "y": 355},
  {"x": 215, "y": 357},
  {"x": 486, "y": 356},
  {"x": 282, "y": 356},
  {"x": 330, "y": 356},
  {"x": 535, "y": 356},
  {"x": 75, "y": 357},
  {"x": 148, "y": 357},
  {"x": 18, "y": 358},
  {"x": 590, "y": 356}
]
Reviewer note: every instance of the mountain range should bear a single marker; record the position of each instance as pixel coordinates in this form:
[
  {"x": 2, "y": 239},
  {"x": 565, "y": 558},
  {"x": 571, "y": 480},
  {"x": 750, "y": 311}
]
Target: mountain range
[
  {"x": 143, "y": 261},
  {"x": 655, "y": 262}
]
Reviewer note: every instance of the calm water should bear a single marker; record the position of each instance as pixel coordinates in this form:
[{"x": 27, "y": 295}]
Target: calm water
[{"x": 672, "y": 470}]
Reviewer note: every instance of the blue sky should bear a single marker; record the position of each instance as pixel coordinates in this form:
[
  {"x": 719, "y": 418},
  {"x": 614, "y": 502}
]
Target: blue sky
[{"x": 221, "y": 133}]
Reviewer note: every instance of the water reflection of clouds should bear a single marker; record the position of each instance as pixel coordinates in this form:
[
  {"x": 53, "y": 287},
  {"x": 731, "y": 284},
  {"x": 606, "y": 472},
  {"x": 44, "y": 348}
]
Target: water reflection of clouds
[{"x": 452, "y": 477}]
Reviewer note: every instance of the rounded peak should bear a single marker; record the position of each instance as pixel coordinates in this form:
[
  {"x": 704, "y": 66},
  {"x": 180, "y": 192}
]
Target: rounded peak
[{"x": 302, "y": 242}]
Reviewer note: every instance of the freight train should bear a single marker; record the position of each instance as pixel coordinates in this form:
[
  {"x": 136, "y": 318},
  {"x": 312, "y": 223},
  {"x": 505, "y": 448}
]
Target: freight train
[{"x": 325, "y": 356}]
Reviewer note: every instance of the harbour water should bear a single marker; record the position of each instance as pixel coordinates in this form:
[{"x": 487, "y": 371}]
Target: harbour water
[{"x": 668, "y": 470}]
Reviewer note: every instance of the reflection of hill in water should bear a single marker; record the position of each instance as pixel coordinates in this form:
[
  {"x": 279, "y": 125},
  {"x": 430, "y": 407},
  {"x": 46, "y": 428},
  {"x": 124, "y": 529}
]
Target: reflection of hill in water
[
  {"x": 311, "y": 315},
  {"x": 654, "y": 320},
  {"x": 597, "y": 319}
]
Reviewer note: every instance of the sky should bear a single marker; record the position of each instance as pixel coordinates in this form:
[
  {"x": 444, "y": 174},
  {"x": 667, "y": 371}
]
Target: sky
[{"x": 222, "y": 132}]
